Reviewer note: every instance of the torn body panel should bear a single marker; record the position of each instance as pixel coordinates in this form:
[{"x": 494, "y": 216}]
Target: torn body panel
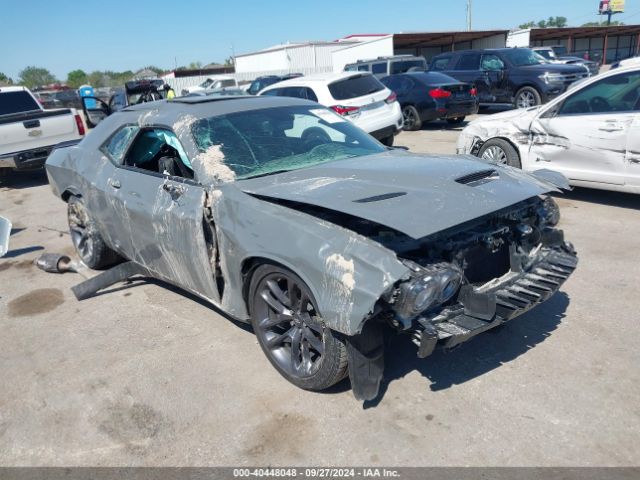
[{"x": 347, "y": 273}]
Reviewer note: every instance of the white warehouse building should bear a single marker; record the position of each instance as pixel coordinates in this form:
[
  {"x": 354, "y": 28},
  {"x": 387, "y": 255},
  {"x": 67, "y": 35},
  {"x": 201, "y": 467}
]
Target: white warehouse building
[{"x": 305, "y": 58}]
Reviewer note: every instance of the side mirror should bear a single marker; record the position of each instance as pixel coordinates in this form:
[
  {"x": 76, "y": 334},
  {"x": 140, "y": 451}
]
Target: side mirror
[
  {"x": 95, "y": 110},
  {"x": 5, "y": 231}
]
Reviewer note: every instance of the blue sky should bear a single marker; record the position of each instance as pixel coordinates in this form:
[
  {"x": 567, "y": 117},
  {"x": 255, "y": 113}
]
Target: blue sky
[{"x": 120, "y": 35}]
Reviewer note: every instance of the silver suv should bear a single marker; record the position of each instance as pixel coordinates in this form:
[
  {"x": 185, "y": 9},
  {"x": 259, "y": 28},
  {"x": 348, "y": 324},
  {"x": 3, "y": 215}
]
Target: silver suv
[{"x": 383, "y": 66}]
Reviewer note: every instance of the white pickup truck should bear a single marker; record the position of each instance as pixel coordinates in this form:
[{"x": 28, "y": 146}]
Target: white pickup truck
[{"x": 28, "y": 132}]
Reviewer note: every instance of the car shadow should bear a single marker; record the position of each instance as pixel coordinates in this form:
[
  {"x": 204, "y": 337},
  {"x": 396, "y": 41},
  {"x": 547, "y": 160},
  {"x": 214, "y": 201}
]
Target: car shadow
[
  {"x": 22, "y": 251},
  {"x": 27, "y": 179},
  {"x": 486, "y": 352},
  {"x": 603, "y": 197}
]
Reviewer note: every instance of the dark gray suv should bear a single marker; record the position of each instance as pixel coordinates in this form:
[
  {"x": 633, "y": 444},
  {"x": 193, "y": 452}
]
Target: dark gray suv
[{"x": 509, "y": 75}]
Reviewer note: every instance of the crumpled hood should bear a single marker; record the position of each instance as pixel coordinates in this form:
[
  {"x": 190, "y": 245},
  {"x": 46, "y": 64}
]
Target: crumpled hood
[{"x": 417, "y": 195}]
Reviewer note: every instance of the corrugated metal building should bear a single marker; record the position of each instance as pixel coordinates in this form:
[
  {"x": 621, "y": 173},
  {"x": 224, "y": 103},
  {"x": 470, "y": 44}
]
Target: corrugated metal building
[
  {"x": 305, "y": 58},
  {"x": 606, "y": 44}
]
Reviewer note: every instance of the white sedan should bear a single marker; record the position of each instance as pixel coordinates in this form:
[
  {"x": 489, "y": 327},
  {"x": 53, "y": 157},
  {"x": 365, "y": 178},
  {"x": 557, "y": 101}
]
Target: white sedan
[{"x": 590, "y": 134}]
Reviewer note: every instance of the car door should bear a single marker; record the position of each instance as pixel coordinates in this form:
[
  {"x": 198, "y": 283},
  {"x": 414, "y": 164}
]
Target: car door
[
  {"x": 467, "y": 69},
  {"x": 586, "y": 135},
  {"x": 632, "y": 176},
  {"x": 164, "y": 212},
  {"x": 494, "y": 73}
]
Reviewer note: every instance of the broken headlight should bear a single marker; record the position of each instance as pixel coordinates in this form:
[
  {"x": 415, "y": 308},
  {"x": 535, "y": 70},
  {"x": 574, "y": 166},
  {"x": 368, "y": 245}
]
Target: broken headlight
[
  {"x": 550, "y": 212},
  {"x": 434, "y": 285}
]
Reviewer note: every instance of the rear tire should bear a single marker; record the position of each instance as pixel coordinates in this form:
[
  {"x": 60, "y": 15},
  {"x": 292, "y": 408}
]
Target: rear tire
[
  {"x": 501, "y": 152},
  {"x": 296, "y": 341},
  {"x": 86, "y": 238},
  {"x": 411, "y": 118},
  {"x": 527, "y": 97}
]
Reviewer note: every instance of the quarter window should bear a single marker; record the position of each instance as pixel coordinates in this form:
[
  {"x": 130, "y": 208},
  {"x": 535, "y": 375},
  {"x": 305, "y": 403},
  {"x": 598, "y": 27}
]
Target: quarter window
[
  {"x": 117, "y": 145},
  {"x": 440, "y": 63},
  {"x": 469, "y": 61},
  {"x": 378, "y": 68}
]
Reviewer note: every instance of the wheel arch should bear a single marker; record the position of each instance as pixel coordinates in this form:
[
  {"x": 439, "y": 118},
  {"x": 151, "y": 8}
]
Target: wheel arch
[
  {"x": 506, "y": 139},
  {"x": 69, "y": 192}
]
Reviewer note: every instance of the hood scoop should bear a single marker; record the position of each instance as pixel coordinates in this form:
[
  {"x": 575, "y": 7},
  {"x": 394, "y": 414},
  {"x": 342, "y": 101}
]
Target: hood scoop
[
  {"x": 379, "y": 198},
  {"x": 478, "y": 178}
]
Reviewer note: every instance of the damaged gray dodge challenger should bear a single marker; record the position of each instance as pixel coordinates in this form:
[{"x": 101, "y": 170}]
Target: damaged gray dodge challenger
[{"x": 281, "y": 213}]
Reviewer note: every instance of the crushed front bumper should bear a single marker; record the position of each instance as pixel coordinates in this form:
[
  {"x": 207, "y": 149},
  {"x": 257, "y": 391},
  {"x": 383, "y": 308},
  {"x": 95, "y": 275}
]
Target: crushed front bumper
[{"x": 480, "y": 309}]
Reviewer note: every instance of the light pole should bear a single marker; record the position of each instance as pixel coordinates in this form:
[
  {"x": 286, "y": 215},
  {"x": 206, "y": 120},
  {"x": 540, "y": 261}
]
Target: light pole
[{"x": 469, "y": 15}]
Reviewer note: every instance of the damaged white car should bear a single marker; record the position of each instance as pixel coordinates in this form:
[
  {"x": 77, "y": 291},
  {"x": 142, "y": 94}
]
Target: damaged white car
[
  {"x": 590, "y": 134},
  {"x": 281, "y": 213}
]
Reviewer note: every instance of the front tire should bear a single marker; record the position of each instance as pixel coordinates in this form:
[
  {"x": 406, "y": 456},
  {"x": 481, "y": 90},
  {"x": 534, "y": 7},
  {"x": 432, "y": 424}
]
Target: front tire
[
  {"x": 86, "y": 238},
  {"x": 291, "y": 331},
  {"x": 527, "y": 97},
  {"x": 501, "y": 152}
]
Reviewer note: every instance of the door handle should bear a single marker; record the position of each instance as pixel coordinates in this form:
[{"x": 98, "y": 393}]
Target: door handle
[
  {"x": 611, "y": 127},
  {"x": 115, "y": 183}
]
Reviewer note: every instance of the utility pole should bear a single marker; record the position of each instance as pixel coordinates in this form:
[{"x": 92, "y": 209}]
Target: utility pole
[{"x": 468, "y": 15}]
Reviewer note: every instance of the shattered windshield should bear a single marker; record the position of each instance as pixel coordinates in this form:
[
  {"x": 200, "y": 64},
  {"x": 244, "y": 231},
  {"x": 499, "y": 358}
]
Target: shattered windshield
[
  {"x": 522, "y": 57},
  {"x": 272, "y": 140}
]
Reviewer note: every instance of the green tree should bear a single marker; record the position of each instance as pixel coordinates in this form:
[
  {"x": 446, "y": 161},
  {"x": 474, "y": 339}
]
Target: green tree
[
  {"x": 195, "y": 65},
  {"x": 75, "y": 78},
  {"x": 35, "y": 76},
  {"x": 4, "y": 80},
  {"x": 549, "y": 23},
  {"x": 230, "y": 61},
  {"x": 598, "y": 24}
]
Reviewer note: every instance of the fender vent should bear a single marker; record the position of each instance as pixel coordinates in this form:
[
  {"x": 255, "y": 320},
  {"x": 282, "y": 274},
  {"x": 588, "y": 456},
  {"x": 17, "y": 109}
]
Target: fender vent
[
  {"x": 379, "y": 198},
  {"x": 478, "y": 178}
]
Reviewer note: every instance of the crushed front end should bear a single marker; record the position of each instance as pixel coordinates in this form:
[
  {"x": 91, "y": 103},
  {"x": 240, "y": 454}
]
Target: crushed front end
[{"x": 476, "y": 276}]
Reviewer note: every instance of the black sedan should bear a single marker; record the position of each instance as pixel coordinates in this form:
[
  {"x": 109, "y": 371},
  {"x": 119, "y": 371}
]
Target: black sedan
[{"x": 426, "y": 96}]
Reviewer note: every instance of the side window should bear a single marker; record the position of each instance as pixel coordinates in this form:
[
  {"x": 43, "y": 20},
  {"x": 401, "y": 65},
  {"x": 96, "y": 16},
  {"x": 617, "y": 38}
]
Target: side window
[
  {"x": 620, "y": 93},
  {"x": 311, "y": 95},
  {"x": 379, "y": 68},
  {"x": 392, "y": 82},
  {"x": 350, "y": 68},
  {"x": 469, "y": 61},
  {"x": 363, "y": 68},
  {"x": 406, "y": 84},
  {"x": 440, "y": 63},
  {"x": 272, "y": 93},
  {"x": 159, "y": 151},
  {"x": 491, "y": 63},
  {"x": 117, "y": 144}
]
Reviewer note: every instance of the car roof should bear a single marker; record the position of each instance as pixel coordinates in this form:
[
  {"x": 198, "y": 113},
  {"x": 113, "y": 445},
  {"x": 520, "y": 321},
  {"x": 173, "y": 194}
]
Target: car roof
[
  {"x": 481, "y": 50},
  {"x": 323, "y": 78},
  {"x": 13, "y": 88},
  {"x": 168, "y": 112},
  {"x": 391, "y": 57}
]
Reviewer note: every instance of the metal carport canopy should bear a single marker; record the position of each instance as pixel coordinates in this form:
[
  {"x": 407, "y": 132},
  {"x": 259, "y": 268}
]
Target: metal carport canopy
[
  {"x": 438, "y": 39},
  {"x": 583, "y": 32}
]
